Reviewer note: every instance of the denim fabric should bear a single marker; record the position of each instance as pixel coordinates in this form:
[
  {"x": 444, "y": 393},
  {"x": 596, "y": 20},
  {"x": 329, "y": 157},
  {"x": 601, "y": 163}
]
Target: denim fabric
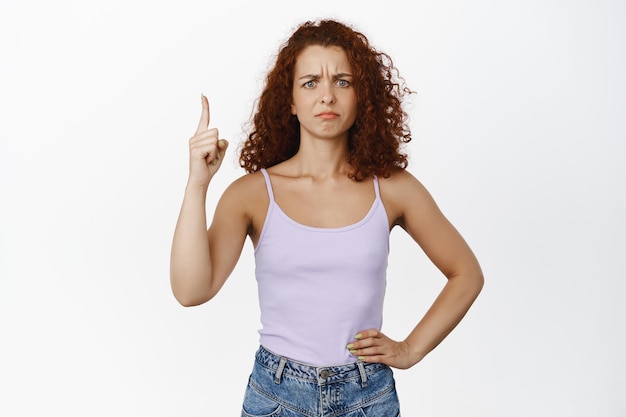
[{"x": 279, "y": 387}]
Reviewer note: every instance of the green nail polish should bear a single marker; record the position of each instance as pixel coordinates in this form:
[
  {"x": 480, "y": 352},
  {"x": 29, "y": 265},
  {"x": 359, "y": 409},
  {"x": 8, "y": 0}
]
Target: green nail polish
[
  {"x": 358, "y": 336},
  {"x": 361, "y": 358},
  {"x": 353, "y": 351},
  {"x": 350, "y": 346}
]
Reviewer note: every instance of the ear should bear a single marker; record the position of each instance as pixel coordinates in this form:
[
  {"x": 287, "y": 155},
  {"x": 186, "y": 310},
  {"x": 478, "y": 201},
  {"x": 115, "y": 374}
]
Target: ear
[{"x": 293, "y": 109}]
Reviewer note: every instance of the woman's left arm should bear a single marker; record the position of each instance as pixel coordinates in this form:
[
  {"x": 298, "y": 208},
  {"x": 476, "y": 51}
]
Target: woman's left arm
[{"x": 411, "y": 207}]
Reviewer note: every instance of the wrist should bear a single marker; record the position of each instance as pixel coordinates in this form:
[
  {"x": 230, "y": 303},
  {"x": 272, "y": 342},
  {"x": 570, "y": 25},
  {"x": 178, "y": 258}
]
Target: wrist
[
  {"x": 195, "y": 191},
  {"x": 195, "y": 186},
  {"x": 415, "y": 351}
]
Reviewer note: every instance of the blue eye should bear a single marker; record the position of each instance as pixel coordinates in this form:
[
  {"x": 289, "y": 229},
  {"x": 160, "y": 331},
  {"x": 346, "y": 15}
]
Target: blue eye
[
  {"x": 343, "y": 83},
  {"x": 309, "y": 84}
]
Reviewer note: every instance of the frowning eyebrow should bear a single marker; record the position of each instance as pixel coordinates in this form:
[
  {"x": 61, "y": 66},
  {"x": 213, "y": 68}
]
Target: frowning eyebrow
[{"x": 317, "y": 76}]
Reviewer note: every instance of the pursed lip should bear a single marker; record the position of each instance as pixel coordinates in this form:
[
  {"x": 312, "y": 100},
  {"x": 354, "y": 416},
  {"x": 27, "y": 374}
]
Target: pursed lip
[{"x": 327, "y": 115}]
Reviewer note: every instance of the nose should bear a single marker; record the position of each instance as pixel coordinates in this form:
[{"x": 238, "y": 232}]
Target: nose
[{"x": 327, "y": 95}]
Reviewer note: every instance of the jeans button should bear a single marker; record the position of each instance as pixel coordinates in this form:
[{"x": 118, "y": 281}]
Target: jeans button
[{"x": 324, "y": 374}]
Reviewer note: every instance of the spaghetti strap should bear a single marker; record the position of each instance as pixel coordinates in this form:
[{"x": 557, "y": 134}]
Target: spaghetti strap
[
  {"x": 376, "y": 189},
  {"x": 268, "y": 184}
]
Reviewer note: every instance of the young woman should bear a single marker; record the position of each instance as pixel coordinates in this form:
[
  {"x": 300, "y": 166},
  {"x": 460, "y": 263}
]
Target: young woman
[{"x": 325, "y": 183}]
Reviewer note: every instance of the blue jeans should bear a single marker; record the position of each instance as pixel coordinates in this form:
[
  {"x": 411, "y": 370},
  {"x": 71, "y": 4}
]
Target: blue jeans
[{"x": 279, "y": 387}]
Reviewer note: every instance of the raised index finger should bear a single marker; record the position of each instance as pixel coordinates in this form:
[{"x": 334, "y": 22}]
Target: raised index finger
[{"x": 205, "y": 117}]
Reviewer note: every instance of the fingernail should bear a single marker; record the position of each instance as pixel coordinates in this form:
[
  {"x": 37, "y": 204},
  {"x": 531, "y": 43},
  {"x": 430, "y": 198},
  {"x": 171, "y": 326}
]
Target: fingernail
[
  {"x": 350, "y": 346},
  {"x": 353, "y": 351},
  {"x": 360, "y": 358},
  {"x": 358, "y": 336},
  {"x": 222, "y": 143}
]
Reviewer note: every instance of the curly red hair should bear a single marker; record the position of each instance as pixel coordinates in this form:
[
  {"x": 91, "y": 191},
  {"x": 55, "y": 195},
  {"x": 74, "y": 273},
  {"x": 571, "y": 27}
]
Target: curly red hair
[{"x": 381, "y": 125}]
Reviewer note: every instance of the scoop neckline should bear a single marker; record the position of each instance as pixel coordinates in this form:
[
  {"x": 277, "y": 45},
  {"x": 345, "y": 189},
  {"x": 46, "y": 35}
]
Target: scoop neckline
[{"x": 360, "y": 222}]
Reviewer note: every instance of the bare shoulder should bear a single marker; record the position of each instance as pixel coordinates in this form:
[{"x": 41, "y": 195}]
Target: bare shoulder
[
  {"x": 403, "y": 194},
  {"x": 246, "y": 198},
  {"x": 245, "y": 192},
  {"x": 399, "y": 181},
  {"x": 246, "y": 185}
]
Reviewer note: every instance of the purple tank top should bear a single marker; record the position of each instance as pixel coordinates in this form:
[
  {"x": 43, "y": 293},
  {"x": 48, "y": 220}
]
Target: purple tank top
[{"x": 318, "y": 287}]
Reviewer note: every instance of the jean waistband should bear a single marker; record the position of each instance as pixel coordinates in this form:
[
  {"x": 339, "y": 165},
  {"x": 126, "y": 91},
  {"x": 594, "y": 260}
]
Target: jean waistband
[{"x": 329, "y": 374}]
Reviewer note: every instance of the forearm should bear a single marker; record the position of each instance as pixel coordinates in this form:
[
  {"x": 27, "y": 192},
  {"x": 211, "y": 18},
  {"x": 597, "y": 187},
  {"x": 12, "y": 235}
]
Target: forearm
[
  {"x": 444, "y": 315},
  {"x": 190, "y": 261}
]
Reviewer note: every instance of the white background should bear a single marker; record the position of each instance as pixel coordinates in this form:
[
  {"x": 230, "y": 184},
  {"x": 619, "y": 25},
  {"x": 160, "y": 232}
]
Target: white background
[{"x": 518, "y": 131}]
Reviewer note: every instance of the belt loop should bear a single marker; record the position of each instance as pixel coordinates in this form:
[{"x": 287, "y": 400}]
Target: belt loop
[
  {"x": 363, "y": 374},
  {"x": 279, "y": 370}
]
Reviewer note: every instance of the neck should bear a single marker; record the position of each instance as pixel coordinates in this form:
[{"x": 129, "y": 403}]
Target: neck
[{"x": 322, "y": 158}]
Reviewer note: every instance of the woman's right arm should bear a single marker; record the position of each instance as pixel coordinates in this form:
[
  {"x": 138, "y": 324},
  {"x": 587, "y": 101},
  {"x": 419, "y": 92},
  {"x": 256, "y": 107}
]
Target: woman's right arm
[{"x": 201, "y": 260}]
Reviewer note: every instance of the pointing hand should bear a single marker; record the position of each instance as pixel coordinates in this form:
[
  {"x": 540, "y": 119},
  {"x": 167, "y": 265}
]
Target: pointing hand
[{"x": 206, "y": 150}]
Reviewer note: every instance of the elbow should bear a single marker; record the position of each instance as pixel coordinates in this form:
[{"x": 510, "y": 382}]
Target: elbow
[
  {"x": 183, "y": 299},
  {"x": 188, "y": 304},
  {"x": 186, "y": 301},
  {"x": 477, "y": 282},
  {"x": 480, "y": 283},
  {"x": 190, "y": 300},
  {"x": 470, "y": 282},
  {"x": 478, "y": 277},
  {"x": 190, "y": 296}
]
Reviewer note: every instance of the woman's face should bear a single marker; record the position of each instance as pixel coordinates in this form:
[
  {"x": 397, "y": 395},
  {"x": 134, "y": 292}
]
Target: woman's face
[{"x": 323, "y": 97}]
